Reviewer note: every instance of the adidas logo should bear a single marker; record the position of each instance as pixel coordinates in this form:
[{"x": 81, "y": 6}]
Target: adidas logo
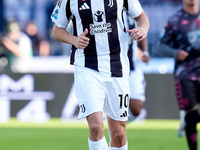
[
  {"x": 84, "y": 6},
  {"x": 124, "y": 114}
]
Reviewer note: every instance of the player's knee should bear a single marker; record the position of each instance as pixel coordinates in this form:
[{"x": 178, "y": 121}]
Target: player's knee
[
  {"x": 118, "y": 138},
  {"x": 96, "y": 129}
]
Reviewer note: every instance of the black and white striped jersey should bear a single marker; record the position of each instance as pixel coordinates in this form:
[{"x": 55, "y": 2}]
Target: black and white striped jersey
[{"x": 108, "y": 46}]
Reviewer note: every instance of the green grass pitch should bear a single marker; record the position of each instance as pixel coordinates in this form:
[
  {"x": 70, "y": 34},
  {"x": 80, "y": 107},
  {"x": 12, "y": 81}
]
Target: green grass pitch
[{"x": 73, "y": 135}]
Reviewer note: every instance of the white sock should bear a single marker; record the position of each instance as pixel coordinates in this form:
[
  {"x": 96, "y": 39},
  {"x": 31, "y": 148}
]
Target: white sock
[
  {"x": 131, "y": 117},
  {"x": 98, "y": 145},
  {"x": 125, "y": 147}
]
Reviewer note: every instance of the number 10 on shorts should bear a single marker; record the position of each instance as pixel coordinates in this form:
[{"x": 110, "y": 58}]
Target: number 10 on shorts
[{"x": 124, "y": 101}]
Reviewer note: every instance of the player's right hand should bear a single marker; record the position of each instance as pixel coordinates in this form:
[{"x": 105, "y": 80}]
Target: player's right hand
[
  {"x": 181, "y": 56},
  {"x": 82, "y": 41}
]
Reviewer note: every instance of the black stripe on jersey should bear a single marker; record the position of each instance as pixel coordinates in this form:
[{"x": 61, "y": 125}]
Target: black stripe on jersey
[
  {"x": 69, "y": 16},
  {"x": 131, "y": 50},
  {"x": 130, "y": 56},
  {"x": 90, "y": 51},
  {"x": 114, "y": 44},
  {"x": 72, "y": 56},
  {"x": 126, "y": 4},
  {"x": 68, "y": 10}
]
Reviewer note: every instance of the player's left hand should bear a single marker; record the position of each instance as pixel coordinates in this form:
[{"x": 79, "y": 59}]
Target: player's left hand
[{"x": 137, "y": 34}]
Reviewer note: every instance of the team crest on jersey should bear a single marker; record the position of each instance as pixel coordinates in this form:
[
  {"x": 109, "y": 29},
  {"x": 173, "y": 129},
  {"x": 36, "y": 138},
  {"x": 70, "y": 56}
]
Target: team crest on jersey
[
  {"x": 55, "y": 14},
  {"x": 82, "y": 108},
  {"x": 110, "y": 3}
]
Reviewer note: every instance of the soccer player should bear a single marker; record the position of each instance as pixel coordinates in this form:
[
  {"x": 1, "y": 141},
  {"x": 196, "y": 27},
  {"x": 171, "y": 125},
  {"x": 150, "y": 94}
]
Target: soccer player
[
  {"x": 181, "y": 40},
  {"x": 99, "y": 54},
  {"x": 138, "y": 51},
  {"x": 137, "y": 80}
]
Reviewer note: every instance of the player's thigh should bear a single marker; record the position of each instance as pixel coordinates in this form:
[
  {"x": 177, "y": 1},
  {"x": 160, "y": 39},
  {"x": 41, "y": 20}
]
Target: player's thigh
[
  {"x": 117, "y": 129},
  {"x": 186, "y": 92},
  {"x": 95, "y": 118},
  {"x": 96, "y": 126}
]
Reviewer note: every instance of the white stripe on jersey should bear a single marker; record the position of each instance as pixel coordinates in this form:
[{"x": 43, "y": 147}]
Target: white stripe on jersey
[
  {"x": 79, "y": 55},
  {"x": 102, "y": 45}
]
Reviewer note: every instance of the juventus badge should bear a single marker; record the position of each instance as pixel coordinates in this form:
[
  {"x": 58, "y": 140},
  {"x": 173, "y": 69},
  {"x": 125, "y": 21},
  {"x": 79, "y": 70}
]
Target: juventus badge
[{"x": 110, "y": 3}]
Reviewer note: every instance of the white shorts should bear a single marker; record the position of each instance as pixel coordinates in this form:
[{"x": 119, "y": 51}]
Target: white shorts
[
  {"x": 98, "y": 92},
  {"x": 137, "y": 84}
]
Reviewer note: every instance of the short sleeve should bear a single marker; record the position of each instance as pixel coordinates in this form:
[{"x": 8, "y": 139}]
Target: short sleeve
[
  {"x": 58, "y": 15},
  {"x": 134, "y": 8}
]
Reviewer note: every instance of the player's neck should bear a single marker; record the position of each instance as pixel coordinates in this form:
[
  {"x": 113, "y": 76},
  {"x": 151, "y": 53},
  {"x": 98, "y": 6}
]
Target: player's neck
[{"x": 191, "y": 9}]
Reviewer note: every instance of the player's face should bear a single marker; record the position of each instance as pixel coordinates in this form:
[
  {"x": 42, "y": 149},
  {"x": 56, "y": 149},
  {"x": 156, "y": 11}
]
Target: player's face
[{"x": 190, "y": 3}]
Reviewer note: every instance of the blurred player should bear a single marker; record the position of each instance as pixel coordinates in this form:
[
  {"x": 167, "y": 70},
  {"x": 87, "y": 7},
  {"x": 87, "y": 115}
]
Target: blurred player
[
  {"x": 137, "y": 83},
  {"x": 181, "y": 40},
  {"x": 138, "y": 51},
  {"x": 101, "y": 63}
]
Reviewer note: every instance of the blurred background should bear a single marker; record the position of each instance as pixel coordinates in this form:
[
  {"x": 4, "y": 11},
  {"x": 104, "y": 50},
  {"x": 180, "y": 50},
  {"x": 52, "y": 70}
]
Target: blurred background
[{"x": 41, "y": 86}]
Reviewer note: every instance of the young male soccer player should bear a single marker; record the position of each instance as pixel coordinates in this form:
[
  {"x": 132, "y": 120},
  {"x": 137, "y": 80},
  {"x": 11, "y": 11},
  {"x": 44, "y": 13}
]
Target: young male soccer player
[{"x": 101, "y": 64}]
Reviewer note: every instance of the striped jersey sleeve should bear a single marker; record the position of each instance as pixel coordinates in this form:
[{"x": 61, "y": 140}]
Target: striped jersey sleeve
[
  {"x": 133, "y": 7},
  {"x": 59, "y": 14}
]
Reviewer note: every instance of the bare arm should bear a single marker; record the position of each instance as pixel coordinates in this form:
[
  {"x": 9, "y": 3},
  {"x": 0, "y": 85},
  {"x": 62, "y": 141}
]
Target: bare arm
[
  {"x": 79, "y": 42},
  {"x": 140, "y": 33},
  {"x": 12, "y": 46},
  {"x": 143, "y": 46}
]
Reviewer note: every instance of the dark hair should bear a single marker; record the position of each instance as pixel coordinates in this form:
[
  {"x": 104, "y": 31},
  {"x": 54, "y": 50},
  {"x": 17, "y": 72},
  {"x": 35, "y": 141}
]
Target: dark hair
[{"x": 12, "y": 25}]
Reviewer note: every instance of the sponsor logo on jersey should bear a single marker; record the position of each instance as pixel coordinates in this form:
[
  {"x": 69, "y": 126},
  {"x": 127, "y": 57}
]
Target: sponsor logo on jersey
[
  {"x": 99, "y": 26},
  {"x": 55, "y": 14},
  {"x": 84, "y": 6},
  {"x": 98, "y": 16},
  {"x": 193, "y": 36}
]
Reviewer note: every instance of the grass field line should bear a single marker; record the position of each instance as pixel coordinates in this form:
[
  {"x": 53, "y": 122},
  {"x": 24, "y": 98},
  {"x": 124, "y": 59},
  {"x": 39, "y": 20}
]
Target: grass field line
[{"x": 58, "y": 123}]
